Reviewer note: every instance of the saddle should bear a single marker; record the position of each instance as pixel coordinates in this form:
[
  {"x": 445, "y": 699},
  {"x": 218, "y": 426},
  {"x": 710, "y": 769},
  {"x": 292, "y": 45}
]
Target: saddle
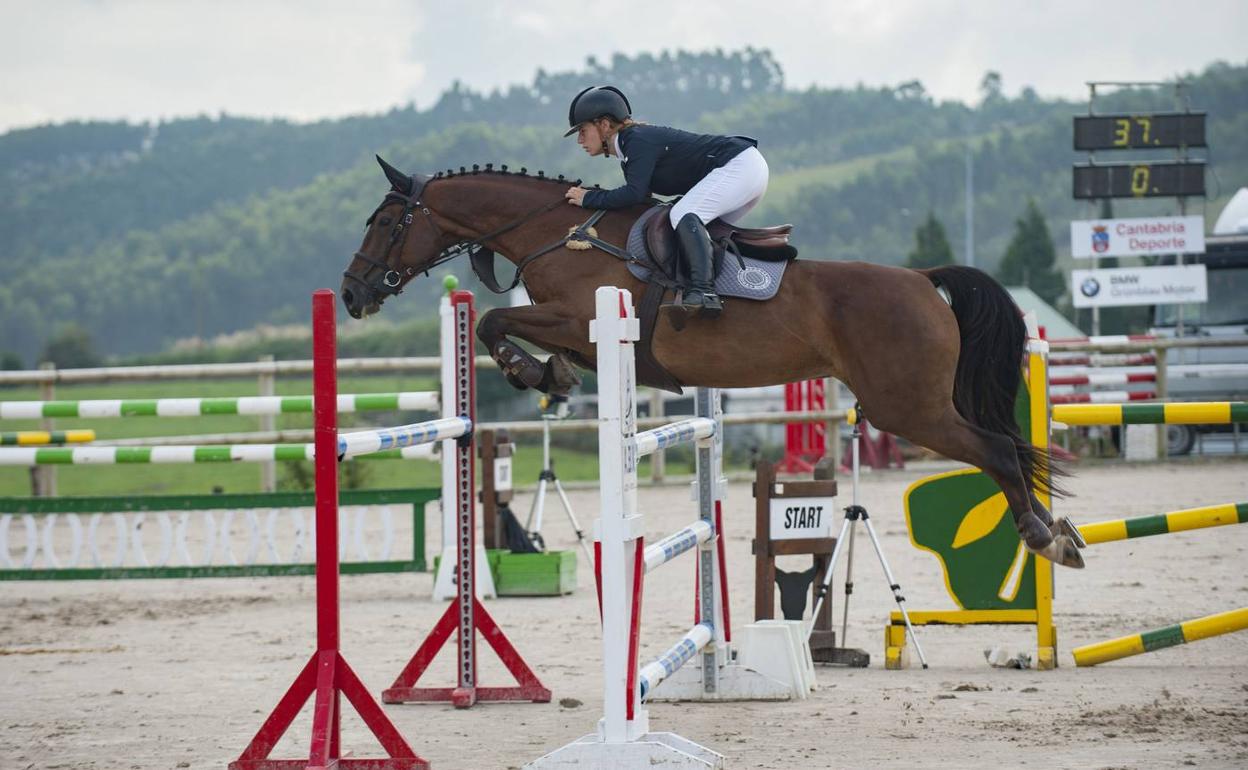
[{"x": 769, "y": 244}]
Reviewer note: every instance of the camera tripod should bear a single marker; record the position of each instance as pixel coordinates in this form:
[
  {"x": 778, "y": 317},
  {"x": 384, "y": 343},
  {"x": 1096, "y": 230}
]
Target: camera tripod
[
  {"x": 853, "y": 514},
  {"x": 533, "y": 525}
]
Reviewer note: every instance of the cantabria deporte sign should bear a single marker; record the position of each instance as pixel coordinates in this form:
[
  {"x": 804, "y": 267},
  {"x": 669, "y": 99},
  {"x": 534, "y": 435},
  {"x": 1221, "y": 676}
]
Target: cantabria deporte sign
[{"x": 1137, "y": 237}]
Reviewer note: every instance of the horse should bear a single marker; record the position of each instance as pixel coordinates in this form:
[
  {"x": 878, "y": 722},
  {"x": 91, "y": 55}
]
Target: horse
[{"x": 932, "y": 355}]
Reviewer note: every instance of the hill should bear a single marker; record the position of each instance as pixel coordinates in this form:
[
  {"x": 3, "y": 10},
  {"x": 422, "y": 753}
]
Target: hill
[{"x": 151, "y": 233}]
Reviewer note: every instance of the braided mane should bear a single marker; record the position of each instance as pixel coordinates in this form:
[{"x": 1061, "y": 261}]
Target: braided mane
[{"x": 476, "y": 169}]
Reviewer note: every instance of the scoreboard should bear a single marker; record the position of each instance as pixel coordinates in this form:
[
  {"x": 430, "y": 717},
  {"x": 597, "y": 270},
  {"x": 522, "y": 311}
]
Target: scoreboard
[
  {"x": 1139, "y": 180},
  {"x": 1152, "y": 131}
]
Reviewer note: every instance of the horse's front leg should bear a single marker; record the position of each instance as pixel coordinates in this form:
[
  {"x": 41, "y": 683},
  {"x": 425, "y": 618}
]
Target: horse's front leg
[{"x": 544, "y": 326}]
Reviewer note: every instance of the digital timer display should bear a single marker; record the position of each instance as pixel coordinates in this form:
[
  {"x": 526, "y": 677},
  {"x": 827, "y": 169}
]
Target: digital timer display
[
  {"x": 1139, "y": 180},
  {"x": 1145, "y": 131}
]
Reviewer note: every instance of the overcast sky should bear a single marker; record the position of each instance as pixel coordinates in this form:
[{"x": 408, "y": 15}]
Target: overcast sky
[{"x": 143, "y": 59}]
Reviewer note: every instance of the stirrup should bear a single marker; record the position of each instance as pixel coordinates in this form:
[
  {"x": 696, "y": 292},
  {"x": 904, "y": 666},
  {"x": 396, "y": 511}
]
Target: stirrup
[{"x": 702, "y": 303}]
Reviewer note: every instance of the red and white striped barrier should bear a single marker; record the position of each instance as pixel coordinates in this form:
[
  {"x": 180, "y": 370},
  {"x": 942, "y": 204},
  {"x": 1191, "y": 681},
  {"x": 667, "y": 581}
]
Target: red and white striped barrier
[
  {"x": 1101, "y": 396},
  {"x": 1103, "y": 378},
  {"x": 804, "y": 443},
  {"x": 1057, "y": 359},
  {"x": 1103, "y": 339}
]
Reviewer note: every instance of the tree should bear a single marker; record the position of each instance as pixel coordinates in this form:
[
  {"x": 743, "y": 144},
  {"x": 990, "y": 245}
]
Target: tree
[
  {"x": 71, "y": 348},
  {"x": 1030, "y": 259},
  {"x": 990, "y": 87},
  {"x": 912, "y": 89},
  {"x": 931, "y": 247}
]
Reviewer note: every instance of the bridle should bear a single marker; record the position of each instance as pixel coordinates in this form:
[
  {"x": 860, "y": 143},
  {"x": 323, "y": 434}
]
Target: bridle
[{"x": 391, "y": 280}]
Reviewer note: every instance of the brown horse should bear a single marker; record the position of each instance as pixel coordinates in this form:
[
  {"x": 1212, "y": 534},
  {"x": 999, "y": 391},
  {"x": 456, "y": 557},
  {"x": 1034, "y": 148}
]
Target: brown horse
[{"x": 942, "y": 373}]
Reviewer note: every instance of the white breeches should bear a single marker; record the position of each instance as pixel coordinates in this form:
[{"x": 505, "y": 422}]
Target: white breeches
[{"x": 728, "y": 192}]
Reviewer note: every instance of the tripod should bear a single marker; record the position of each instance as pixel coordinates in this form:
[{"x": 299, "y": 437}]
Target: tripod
[
  {"x": 533, "y": 525},
  {"x": 854, "y": 513}
]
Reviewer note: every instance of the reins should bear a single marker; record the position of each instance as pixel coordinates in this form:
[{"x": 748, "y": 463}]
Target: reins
[{"x": 480, "y": 254}]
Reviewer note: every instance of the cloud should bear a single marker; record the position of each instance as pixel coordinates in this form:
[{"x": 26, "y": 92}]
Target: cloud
[{"x": 145, "y": 59}]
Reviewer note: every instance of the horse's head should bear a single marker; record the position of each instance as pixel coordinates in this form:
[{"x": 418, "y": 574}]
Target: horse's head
[{"x": 403, "y": 238}]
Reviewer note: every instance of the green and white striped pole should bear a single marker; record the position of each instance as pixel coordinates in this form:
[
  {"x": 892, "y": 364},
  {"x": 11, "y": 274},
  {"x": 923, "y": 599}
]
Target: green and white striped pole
[
  {"x": 245, "y": 453},
  {"x": 196, "y": 407}
]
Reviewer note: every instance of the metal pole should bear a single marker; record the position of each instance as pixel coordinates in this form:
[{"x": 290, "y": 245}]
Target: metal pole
[
  {"x": 43, "y": 478},
  {"x": 970, "y": 207},
  {"x": 658, "y": 462},
  {"x": 268, "y": 422}
]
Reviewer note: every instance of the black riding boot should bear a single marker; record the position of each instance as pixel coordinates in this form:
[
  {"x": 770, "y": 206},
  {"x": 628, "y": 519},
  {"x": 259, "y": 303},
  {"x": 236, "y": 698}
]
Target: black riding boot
[{"x": 695, "y": 245}]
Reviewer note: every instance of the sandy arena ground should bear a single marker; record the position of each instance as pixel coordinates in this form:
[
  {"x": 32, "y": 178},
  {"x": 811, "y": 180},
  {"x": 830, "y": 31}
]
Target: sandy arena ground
[{"x": 169, "y": 674}]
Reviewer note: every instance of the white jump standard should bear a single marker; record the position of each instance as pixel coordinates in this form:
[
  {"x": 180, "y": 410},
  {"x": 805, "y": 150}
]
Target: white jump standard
[{"x": 623, "y": 738}]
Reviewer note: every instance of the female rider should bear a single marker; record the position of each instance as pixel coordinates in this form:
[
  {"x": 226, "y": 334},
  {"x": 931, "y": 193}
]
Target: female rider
[{"x": 719, "y": 176}]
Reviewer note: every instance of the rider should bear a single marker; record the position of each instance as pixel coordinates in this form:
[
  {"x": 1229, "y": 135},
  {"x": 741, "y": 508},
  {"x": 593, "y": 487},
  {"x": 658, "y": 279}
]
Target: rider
[{"x": 719, "y": 176}]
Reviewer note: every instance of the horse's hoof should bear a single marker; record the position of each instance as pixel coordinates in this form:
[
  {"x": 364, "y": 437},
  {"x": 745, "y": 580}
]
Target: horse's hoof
[
  {"x": 1033, "y": 532},
  {"x": 559, "y": 377},
  {"x": 1063, "y": 526},
  {"x": 1061, "y": 551}
]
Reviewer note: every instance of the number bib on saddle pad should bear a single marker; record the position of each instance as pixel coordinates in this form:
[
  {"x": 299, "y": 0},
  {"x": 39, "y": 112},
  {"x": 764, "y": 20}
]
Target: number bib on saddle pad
[{"x": 758, "y": 280}]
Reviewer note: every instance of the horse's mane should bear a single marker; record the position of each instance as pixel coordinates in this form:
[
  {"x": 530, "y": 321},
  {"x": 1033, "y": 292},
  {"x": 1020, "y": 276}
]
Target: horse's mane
[{"x": 476, "y": 170}]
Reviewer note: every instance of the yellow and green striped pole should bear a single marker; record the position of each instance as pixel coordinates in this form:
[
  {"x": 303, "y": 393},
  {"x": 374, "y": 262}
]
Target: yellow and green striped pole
[
  {"x": 45, "y": 437},
  {"x": 1165, "y": 523},
  {"x": 1169, "y": 636},
  {"x": 1190, "y": 413}
]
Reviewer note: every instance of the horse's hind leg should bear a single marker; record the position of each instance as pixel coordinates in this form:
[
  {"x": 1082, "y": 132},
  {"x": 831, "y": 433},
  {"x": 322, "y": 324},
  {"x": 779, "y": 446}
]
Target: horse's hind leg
[
  {"x": 995, "y": 454},
  {"x": 522, "y": 369}
]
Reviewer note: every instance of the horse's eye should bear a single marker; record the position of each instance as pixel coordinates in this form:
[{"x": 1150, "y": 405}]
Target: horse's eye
[{"x": 384, "y": 221}]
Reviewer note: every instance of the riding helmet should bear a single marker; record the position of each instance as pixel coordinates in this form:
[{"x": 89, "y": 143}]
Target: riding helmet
[{"x": 595, "y": 102}]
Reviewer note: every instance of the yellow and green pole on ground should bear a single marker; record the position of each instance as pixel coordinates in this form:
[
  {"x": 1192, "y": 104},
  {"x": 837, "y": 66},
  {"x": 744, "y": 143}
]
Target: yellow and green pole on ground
[{"x": 1167, "y": 636}]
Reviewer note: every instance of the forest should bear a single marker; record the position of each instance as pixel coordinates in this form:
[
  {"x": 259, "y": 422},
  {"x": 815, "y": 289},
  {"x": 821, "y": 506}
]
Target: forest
[{"x": 143, "y": 240}]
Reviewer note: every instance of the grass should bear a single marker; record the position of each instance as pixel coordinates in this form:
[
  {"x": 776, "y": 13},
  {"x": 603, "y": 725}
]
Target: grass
[
  {"x": 571, "y": 465},
  {"x": 784, "y": 187},
  {"x": 203, "y": 478},
  {"x": 77, "y": 480}
]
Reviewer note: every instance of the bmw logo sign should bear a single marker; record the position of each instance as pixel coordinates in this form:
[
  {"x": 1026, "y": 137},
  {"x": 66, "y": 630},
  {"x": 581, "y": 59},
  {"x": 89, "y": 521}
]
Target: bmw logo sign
[{"x": 1090, "y": 287}]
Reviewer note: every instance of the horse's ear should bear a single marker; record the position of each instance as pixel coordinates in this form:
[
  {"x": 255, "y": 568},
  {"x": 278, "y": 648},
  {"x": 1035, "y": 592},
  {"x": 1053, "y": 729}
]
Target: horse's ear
[{"x": 398, "y": 180}]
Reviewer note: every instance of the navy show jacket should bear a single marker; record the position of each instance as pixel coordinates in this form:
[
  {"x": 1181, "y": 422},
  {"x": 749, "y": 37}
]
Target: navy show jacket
[{"x": 663, "y": 160}]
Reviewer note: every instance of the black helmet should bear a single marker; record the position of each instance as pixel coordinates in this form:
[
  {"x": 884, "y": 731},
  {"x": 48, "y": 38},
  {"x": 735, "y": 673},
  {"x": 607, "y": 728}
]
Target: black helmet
[{"x": 596, "y": 101}]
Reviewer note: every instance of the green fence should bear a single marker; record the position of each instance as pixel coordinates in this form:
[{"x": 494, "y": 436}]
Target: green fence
[{"x": 225, "y": 535}]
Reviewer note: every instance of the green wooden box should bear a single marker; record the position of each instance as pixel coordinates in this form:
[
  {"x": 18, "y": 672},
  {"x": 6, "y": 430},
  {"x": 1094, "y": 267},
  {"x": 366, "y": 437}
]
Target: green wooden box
[
  {"x": 535, "y": 574},
  {"x": 530, "y": 574}
]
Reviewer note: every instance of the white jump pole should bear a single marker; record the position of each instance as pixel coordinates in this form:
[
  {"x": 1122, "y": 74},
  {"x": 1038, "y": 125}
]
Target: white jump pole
[{"x": 623, "y": 738}]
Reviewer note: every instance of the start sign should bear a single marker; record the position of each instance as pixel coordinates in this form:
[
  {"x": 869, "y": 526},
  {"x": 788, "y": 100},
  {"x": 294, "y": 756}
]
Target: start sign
[{"x": 794, "y": 518}]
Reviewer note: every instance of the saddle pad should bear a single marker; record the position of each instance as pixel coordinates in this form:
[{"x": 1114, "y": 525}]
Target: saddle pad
[{"x": 758, "y": 280}]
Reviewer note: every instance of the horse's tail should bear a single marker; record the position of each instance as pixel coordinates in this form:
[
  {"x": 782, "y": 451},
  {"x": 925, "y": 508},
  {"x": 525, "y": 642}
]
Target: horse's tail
[{"x": 989, "y": 371}]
